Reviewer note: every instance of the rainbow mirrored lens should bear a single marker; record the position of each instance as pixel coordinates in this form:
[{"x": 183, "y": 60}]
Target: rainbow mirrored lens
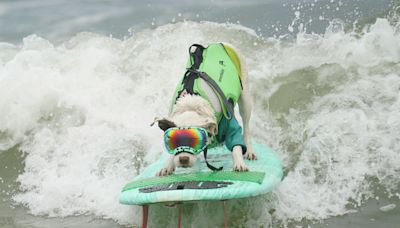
[{"x": 193, "y": 140}]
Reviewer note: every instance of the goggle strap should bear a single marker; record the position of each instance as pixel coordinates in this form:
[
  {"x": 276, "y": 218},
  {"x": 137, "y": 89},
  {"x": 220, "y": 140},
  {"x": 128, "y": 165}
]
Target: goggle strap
[{"x": 213, "y": 168}]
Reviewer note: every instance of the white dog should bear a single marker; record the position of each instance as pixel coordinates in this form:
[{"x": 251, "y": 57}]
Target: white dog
[{"x": 191, "y": 109}]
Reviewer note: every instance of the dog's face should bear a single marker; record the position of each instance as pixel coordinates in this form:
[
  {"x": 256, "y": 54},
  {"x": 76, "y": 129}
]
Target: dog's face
[
  {"x": 190, "y": 111},
  {"x": 185, "y": 159}
]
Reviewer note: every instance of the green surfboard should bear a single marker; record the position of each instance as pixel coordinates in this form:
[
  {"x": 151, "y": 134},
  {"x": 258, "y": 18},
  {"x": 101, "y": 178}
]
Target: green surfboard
[{"x": 199, "y": 183}]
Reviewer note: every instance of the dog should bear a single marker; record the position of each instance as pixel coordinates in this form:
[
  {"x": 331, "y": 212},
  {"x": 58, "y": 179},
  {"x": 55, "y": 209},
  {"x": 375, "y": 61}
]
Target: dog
[{"x": 193, "y": 110}]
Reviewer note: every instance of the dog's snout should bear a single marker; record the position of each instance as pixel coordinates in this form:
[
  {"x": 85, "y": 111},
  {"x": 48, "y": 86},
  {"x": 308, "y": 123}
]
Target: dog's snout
[{"x": 184, "y": 159}]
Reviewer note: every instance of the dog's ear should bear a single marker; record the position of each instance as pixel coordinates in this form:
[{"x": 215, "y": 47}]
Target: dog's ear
[
  {"x": 165, "y": 124},
  {"x": 211, "y": 128}
]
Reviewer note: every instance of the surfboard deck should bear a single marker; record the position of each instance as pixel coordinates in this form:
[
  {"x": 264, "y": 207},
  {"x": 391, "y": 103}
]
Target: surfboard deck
[{"x": 199, "y": 183}]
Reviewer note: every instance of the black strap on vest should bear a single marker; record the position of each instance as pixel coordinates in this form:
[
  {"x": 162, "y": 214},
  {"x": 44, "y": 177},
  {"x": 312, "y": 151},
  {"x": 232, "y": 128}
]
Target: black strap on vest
[
  {"x": 190, "y": 76},
  {"x": 213, "y": 168}
]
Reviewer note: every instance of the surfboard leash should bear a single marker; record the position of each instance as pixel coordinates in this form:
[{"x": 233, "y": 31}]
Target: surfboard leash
[{"x": 213, "y": 168}]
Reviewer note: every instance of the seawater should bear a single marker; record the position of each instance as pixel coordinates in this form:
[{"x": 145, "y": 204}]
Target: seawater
[{"x": 75, "y": 110}]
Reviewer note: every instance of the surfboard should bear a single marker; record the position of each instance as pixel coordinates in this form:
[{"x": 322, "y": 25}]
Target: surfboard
[{"x": 200, "y": 183}]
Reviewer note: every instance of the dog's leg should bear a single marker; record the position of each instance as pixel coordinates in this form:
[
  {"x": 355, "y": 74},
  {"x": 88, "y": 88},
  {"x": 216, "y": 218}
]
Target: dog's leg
[
  {"x": 169, "y": 168},
  {"x": 245, "y": 106},
  {"x": 238, "y": 162}
]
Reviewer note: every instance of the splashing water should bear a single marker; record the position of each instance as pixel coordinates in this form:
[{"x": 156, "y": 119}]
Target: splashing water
[{"x": 81, "y": 110}]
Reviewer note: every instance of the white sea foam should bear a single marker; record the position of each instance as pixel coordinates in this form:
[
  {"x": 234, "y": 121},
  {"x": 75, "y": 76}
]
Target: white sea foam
[
  {"x": 81, "y": 112},
  {"x": 388, "y": 207}
]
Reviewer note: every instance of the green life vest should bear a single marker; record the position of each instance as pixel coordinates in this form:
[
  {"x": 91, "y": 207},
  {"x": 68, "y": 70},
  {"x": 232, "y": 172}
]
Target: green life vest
[{"x": 219, "y": 66}]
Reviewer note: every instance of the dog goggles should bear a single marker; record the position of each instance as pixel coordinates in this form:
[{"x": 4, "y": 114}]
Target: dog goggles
[{"x": 185, "y": 139}]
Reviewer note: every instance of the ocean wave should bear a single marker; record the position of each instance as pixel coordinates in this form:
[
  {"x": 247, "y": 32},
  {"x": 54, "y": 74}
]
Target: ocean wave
[{"x": 81, "y": 110}]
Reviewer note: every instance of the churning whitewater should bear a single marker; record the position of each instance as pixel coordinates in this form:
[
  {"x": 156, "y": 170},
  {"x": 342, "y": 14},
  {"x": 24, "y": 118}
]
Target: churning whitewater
[{"x": 80, "y": 111}]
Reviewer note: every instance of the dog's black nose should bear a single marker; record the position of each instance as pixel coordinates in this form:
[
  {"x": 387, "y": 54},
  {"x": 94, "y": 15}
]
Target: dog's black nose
[{"x": 184, "y": 160}]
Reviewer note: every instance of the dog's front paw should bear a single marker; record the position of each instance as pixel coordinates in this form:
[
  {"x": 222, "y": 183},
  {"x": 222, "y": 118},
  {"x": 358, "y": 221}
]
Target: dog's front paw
[
  {"x": 240, "y": 167},
  {"x": 250, "y": 155},
  {"x": 165, "y": 171}
]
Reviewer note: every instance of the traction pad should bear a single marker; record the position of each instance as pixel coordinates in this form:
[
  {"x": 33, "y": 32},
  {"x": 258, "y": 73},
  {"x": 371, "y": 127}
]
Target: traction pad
[{"x": 186, "y": 185}]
